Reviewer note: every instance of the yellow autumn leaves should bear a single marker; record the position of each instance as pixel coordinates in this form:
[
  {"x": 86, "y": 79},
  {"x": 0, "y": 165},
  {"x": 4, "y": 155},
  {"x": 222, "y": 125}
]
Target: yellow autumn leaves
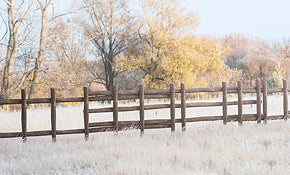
[
  {"x": 170, "y": 51},
  {"x": 193, "y": 61}
]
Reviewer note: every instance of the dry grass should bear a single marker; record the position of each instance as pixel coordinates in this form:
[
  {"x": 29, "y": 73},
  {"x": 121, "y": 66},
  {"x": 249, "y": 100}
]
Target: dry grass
[{"x": 204, "y": 148}]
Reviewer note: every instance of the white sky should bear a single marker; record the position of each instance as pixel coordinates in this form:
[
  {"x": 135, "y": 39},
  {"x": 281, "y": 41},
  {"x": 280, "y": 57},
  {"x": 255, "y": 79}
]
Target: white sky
[{"x": 266, "y": 19}]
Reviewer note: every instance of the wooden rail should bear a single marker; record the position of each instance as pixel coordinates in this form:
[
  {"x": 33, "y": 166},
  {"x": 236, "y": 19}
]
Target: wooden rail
[{"x": 142, "y": 94}]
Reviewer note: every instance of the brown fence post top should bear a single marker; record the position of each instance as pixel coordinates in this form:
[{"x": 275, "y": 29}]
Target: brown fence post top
[
  {"x": 265, "y": 101},
  {"x": 172, "y": 107},
  {"x": 258, "y": 96},
  {"x": 240, "y": 103},
  {"x": 53, "y": 114},
  {"x": 115, "y": 108},
  {"x": 183, "y": 107},
  {"x": 24, "y": 114},
  {"x": 141, "y": 109},
  {"x": 285, "y": 99},
  {"x": 86, "y": 113},
  {"x": 225, "y": 103}
]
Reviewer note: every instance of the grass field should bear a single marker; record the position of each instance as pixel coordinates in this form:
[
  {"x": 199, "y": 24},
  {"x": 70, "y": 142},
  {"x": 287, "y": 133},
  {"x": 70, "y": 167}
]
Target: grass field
[{"x": 204, "y": 148}]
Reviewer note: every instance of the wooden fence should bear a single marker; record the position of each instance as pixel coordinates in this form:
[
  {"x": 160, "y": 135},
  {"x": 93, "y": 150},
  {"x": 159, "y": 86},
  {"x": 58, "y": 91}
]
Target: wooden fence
[{"x": 142, "y": 94}]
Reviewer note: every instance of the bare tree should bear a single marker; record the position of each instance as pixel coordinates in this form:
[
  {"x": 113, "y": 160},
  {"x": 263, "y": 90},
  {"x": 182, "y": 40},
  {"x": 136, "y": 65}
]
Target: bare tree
[
  {"x": 239, "y": 46},
  {"x": 48, "y": 20},
  {"x": 44, "y": 7},
  {"x": 17, "y": 14},
  {"x": 68, "y": 50},
  {"x": 110, "y": 31}
]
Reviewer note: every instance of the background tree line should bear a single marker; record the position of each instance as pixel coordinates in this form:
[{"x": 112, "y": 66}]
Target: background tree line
[{"x": 98, "y": 43}]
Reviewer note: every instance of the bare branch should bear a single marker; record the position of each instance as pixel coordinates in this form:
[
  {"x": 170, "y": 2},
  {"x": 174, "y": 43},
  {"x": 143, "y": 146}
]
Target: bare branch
[
  {"x": 19, "y": 9},
  {"x": 40, "y": 4},
  {"x": 99, "y": 81},
  {"x": 28, "y": 10},
  {"x": 8, "y": 3},
  {"x": 48, "y": 2},
  {"x": 22, "y": 80},
  {"x": 58, "y": 16},
  {"x": 6, "y": 28}
]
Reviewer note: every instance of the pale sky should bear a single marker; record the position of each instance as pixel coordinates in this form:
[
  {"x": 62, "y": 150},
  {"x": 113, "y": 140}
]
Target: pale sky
[{"x": 266, "y": 19}]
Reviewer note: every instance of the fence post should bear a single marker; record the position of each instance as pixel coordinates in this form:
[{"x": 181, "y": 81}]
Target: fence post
[
  {"x": 53, "y": 114},
  {"x": 115, "y": 108},
  {"x": 285, "y": 99},
  {"x": 172, "y": 107},
  {"x": 24, "y": 114},
  {"x": 183, "y": 108},
  {"x": 258, "y": 89},
  {"x": 265, "y": 101},
  {"x": 225, "y": 103},
  {"x": 240, "y": 103},
  {"x": 86, "y": 112},
  {"x": 141, "y": 96}
]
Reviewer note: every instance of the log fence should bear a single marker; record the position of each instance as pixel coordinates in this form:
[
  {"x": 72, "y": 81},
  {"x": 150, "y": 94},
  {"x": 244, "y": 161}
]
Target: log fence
[{"x": 141, "y": 95}]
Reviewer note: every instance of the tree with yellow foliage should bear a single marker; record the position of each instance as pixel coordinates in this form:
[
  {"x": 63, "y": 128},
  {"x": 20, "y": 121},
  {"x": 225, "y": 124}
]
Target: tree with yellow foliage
[{"x": 170, "y": 53}]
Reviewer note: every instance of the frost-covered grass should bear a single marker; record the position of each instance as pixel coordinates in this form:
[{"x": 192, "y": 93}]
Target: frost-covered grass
[{"x": 204, "y": 148}]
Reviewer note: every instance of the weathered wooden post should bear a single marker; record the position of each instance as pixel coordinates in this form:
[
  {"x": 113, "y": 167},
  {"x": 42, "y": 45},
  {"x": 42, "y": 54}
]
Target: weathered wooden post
[
  {"x": 115, "y": 108},
  {"x": 265, "y": 101},
  {"x": 24, "y": 114},
  {"x": 183, "y": 108},
  {"x": 240, "y": 103},
  {"x": 258, "y": 90},
  {"x": 225, "y": 103},
  {"x": 141, "y": 98},
  {"x": 172, "y": 107},
  {"x": 86, "y": 112},
  {"x": 285, "y": 99},
  {"x": 53, "y": 114}
]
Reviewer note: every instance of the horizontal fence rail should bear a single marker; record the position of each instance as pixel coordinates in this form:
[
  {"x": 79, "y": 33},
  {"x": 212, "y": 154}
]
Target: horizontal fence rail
[
  {"x": 141, "y": 95},
  {"x": 164, "y": 106},
  {"x": 126, "y": 97}
]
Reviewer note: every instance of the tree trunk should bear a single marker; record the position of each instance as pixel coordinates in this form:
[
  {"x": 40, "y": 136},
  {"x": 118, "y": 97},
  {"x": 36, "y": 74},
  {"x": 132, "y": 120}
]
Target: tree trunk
[
  {"x": 12, "y": 49},
  {"x": 38, "y": 61},
  {"x": 9, "y": 62},
  {"x": 109, "y": 77}
]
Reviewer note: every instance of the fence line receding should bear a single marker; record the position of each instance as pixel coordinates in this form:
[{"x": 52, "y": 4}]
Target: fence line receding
[{"x": 141, "y": 95}]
